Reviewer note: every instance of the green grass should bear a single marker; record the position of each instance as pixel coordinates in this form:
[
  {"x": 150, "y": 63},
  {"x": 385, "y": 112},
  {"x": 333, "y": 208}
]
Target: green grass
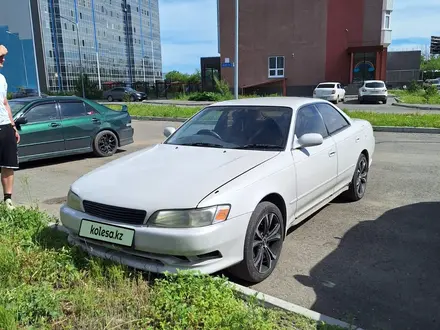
[
  {"x": 416, "y": 97},
  {"x": 46, "y": 284},
  {"x": 376, "y": 119},
  {"x": 398, "y": 120},
  {"x": 168, "y": 111}
]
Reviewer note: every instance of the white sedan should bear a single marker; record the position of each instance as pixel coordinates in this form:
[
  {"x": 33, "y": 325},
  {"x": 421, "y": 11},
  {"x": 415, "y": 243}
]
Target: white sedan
[
  {"x": 330, "y": 91},
  {"x": 223, "y": 189}
]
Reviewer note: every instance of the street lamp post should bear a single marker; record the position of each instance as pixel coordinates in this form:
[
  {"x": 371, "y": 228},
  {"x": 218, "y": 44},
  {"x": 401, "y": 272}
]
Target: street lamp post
[
  {"x": 22, "y": 52},
  {"x": 79, "y": 54}
]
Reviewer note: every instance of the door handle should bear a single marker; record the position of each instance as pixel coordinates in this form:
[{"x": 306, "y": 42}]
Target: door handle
[
  {"x": 96, "y": 121},
  {"x": 357, "y": 139},
  {"x": 331, "y": 153},
  {"x": 54, "y": 125}
]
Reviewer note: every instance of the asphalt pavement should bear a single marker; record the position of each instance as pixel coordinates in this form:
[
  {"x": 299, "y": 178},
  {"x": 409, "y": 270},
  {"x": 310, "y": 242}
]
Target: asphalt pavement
[{"x": 376, "y": 261}]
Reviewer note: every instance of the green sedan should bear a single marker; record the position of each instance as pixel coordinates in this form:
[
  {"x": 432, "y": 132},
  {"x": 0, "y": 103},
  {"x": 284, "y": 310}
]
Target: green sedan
[{"x": 59, "y": 126}]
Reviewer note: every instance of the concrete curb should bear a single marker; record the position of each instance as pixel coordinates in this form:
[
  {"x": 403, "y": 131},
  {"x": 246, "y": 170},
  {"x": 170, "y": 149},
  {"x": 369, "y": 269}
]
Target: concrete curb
[
  {"x": 273, "y": 302},
  {"x": 417, "y": 106},
  {"x": 398, "y": 129},
  {"x": 266, "y": 300}
]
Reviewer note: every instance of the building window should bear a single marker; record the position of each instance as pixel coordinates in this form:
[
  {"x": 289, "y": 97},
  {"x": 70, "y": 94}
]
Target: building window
[
  {"x": 387, "y": 20},
  {"x": 276, "y": 66}
]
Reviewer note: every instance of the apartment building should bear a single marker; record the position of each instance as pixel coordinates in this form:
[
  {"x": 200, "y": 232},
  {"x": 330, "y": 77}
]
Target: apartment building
[{"x": 49, "y": 41}]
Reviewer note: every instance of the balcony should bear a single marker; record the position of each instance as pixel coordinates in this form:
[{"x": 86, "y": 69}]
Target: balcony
[
  {"x": 386, "y": 37},
  {"x": 388, "y": 4}
]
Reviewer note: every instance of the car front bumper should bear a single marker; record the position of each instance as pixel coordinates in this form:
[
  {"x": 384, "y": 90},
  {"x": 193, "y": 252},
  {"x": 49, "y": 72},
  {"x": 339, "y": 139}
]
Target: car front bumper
[{"x": 206, "y": 249}]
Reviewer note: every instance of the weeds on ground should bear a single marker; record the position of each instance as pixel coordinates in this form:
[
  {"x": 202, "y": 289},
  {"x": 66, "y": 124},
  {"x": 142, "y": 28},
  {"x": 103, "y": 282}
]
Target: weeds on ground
[{"x": 44, "y": 283}]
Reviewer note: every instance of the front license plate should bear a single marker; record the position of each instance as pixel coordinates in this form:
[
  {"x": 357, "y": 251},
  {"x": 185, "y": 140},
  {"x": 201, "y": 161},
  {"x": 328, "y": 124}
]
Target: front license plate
[{"x": 106, "y": 233}]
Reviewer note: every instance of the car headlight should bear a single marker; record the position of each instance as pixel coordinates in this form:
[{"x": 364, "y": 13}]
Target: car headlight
[
  {"x": 190, "y": 218},
  {"x": 73, "y": 201}
]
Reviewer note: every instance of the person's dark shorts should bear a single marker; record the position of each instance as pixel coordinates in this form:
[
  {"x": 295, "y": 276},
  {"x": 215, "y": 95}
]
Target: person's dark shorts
[{"x": 8, "y": 147}]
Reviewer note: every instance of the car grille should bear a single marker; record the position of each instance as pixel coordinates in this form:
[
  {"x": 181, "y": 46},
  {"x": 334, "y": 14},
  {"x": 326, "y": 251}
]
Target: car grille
[{"x": 115, "y": 213}]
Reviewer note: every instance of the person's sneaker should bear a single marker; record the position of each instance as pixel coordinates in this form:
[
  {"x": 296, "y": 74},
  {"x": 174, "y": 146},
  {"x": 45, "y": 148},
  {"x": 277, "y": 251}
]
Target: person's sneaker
[{"x": 9, "y": 205}]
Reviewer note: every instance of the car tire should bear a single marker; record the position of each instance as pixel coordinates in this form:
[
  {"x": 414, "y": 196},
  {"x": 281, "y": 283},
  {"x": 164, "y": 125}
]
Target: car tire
[
  {"x": 132, "y": 98},
  {"x": 257, "y": 238},
  {"x": 105, "y": 144},
  {"x": 384, "y": 101},
  {"x": 361, "y": 100},
  {"x": 110, "y": 98},
  {"x": 358, "y": 184}
]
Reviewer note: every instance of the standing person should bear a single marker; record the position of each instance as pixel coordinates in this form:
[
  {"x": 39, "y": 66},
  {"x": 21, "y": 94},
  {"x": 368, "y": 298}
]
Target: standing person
[{"x": 9, "y": 138}]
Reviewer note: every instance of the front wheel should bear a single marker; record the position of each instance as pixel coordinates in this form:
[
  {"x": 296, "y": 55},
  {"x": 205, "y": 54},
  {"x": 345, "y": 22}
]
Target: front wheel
[
  {"x": 263, "y": 244},
  {"x": 105, "y": 144},
  {"x": 358, "y": 184}
]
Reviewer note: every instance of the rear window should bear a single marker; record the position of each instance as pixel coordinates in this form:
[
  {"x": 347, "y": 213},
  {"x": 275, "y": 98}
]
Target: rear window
[
  {"x": 375, "y": 85},
  {"x": 326, "y": 86}
]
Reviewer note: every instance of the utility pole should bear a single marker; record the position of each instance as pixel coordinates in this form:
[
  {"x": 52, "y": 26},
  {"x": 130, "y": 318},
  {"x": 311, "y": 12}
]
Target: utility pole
[{"x": 236, "y": 49}]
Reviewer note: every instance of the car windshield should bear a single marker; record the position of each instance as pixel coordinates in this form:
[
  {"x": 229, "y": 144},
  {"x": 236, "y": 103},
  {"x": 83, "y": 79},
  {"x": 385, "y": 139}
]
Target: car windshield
[
  {"x": 326, "y": 86},
  {"x": 236, "y": 127},
  {"x": 16, "y": 106},
  {"x": 375, "y": 85}
]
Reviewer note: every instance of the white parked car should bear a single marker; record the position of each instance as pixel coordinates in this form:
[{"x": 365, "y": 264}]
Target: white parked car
[
  {"x": 330, "y": 91},
  {"x": 373, "y": 90},
  {"x": 223, "y": 189}
]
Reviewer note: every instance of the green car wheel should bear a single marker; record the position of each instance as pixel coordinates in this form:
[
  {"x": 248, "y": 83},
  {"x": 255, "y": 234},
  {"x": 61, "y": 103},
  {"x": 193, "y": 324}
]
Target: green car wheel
[{"x": 105, "y": 143}]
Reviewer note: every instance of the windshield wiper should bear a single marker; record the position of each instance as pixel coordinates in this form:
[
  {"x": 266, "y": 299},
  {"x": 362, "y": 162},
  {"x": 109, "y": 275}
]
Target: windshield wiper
[
  {"x": 204, "y": 144},
  {"x": 260, "y": 146}
]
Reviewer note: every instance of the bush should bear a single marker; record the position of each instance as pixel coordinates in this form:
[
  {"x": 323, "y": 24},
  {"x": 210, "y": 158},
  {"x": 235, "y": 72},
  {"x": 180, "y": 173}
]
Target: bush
[
  {"x": 414, "y": 87},
  {"x": 205, "y": 96},
  {"x": 431, "y": 91}
]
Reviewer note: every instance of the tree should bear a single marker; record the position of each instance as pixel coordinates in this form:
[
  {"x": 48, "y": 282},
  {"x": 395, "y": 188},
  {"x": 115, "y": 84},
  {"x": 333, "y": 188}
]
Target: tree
[
  {"x": 184, "y": 78},
  {"x": 430, "y": 64}
]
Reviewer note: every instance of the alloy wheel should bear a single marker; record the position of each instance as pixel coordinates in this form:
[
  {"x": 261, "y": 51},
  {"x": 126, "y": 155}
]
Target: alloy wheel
[
  {"x": 267, "y": 243},
  {"x": 107, "y": 143},
  {"x": 362, "y": 173}
]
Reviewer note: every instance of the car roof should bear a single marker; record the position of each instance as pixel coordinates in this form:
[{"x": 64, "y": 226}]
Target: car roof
[
  {"x": 369, "y": 81},
  {"x": 44, "y": 98},
  {"x": 328, "y": 82},
  {"x": 281, "y": 101}
]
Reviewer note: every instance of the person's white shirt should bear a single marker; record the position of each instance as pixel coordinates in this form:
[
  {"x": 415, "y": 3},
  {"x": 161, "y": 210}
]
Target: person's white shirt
[{"x": 4, "y": 117}]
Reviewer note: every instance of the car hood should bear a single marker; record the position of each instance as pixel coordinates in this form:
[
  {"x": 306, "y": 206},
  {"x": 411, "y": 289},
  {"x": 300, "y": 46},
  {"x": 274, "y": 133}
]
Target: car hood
[{"x": 166, "y": 176}]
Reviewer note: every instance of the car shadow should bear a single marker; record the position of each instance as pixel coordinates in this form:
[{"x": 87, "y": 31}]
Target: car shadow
[
  {"x": 385, "y": 273},
  {"x": 61, "y": 160},
  {"x": 351, "y": 101}
]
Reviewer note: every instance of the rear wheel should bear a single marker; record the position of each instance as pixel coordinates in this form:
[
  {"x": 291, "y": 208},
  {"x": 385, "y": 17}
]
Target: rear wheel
[
  {"x": 105, "y": 144},
  {"x": 263, "y": 244},
  {"x": 358, "y": 183},
  {"x": 132, "y": 99},
  {"x": 110, "y": 98}
]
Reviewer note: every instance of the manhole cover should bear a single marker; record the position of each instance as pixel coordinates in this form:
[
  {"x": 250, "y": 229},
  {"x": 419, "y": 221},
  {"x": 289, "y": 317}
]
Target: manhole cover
[{"x": 57, "y": 200}]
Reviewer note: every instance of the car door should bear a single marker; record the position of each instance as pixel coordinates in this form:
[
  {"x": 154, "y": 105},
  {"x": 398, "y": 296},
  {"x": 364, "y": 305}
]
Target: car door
[
  {"x": 80, "y": 124},
  {"x": 346, "y": 142},
  {"x": 119, "y": 93},
  {"x": 42, "y": 133},
  {"x": 316, "y": 167}
]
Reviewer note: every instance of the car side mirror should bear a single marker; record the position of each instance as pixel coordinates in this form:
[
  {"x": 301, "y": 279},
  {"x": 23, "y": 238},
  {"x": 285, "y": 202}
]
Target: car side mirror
[
  {"x": 21, "y": 121},
  {"x": 168, "y": 131},
  {"x": 124, "y": 108},
  {"x": 310, "y": 140}
]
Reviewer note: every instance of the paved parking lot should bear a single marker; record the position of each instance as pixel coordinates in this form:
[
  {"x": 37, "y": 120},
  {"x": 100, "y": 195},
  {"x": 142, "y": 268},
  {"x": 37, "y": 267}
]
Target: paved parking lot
[{"x": 376, "y": 260}]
